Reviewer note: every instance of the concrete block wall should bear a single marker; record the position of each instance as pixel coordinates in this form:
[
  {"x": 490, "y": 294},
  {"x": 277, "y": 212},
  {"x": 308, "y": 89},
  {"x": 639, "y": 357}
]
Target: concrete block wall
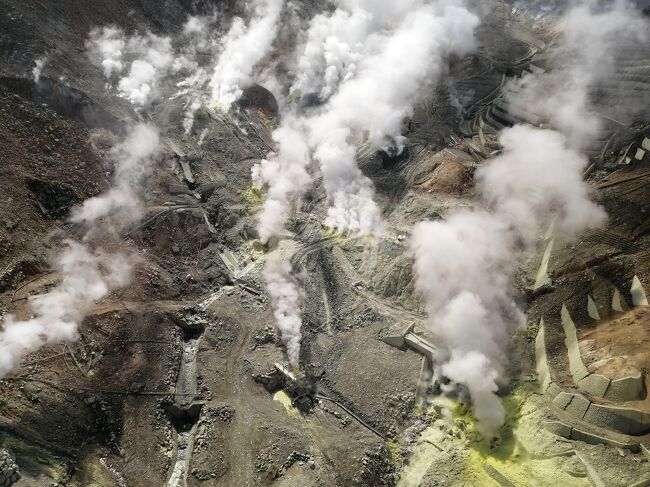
[
  {"x": 628, "y": 388},
  {"x": 628, "y": 421},
  {"x": 565, "y": 430},
  {"x": 541, "y": 362}
]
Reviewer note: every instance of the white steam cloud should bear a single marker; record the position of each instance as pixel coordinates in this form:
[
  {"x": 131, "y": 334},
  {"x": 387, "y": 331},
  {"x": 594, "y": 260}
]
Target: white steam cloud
[
  {"x": 336, "y": 42},
  {"x": 198, "y": 37},
  {"x": 371, "y": 88},
  {"x": 592, "y": 37},
  {"x": 355, "y": 60},
  {"x": 284, "y": 175},
  {"x": 286, "y": 296},
  {"x": 243, "y": 48},
  {"x": 87, "y": 275},
  {"x": 106, "y": 49},
  {"x": 213, "y": 72},
  {"x": 39, "y": 64},
  {"x": 538, "y": 175},
  {"x": 138, "y": 62},
  {"x": 464, "y": 264},
  {"x": 133, "y": 160}
]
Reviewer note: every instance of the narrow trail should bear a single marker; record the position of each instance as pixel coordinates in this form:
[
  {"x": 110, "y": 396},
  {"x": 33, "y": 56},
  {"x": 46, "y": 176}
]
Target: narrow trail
[{"x": 240, "y": 397}]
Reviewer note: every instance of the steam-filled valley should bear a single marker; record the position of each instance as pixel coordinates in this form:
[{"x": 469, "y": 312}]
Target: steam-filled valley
[{"x": 344, "y": 243}]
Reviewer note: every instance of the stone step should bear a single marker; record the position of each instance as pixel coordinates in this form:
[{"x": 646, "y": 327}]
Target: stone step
[
  {"x": 493, "y": 121},
  {"x": 504, "y": 116}
]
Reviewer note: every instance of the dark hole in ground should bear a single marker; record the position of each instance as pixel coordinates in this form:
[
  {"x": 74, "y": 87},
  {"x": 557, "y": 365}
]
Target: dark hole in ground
[
  {"x": 191, "y": 324},
  {"x": 55, "y": 199},
  {"x": 192, "y": 329},
  {"x": 392, "y": 158},
  {"x": 192, "y": 333},
  {"x": 185, "y": 416},
  {"x": 260, "y": 98}
]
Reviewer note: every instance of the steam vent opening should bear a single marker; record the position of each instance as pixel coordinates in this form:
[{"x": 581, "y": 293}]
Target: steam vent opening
[
  {"x": 260, "y": 98},
  {"x": 300, "y": 243},
  {"x": 183, "y": 418}
]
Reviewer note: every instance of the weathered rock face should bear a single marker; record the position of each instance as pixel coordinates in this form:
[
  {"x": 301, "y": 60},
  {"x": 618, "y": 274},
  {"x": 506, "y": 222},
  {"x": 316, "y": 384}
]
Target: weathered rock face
[
  {"x": 9, "y": 473},
  {"x": 450, "y": 177}
]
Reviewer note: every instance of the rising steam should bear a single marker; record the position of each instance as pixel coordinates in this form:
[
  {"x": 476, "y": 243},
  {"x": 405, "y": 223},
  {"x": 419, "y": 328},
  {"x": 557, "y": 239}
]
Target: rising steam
[
  {"x": 592, "y": 38},
  {"x": 370, "y": 87},
  {"x": 39, "y": 64},
  {"x": 354, "y": 60},
  {"x": 138, "y": 62},
  {"x": 286, "y": 296},
  {"x": 285, "y": 175},
  {"x": 243, "y": 48},
  {"x": 336, "y": 42},
  {"x": 138, "y": 65},
  {"x": 133, "y": 159},
  {"x": 464, "y": 265},
  {"x": 87, "y": 275}
]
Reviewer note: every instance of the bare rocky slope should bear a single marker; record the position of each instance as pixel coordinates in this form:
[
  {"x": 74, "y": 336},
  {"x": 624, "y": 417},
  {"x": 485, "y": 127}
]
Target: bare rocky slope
[{"x": 172, "y": 381}]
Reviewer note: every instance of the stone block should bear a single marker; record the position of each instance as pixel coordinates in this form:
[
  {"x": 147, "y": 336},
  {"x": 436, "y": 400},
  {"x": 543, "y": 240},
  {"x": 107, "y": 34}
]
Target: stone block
[
  {"x": 624, "y": 420},
  {"x": 592, "y": 309},
  {"x": 578, "y": 406},
  {"x": 629, "y": 388},
  {"x": 646, "y": 144},
  {"x": 576, "y": 367},
  {"x": 558, "y": 428},
  {"x": 594, "y": 384},
  {"x": 553, "y": 390},
  {"x": 639, "y": 297},
  {"x": 594, "y": 439},
  {"x": 562, "y": 400}
]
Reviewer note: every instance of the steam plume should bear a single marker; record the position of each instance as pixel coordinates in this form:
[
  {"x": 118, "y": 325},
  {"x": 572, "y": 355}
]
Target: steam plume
[
  {"x": 39, "y": 64},
  {"x": 243, "y": 48},
  {"x": 133, "y": 160},
  {"x": 336, "y": 42},
  {"x": 106, "y": 48},
  {"x": 369, "y": 86},
  {"x": 149, "y": 58},
  {"x": 87, "y": 275},
  {"x": 377, "y": 87},
  {"x": 464, "y": 265},
  {"x": 286, "y": 296},
  {"x": 592, "y": 36},
  {"x": 138, "y": 65},
  {"x": 284, "y": 175}
]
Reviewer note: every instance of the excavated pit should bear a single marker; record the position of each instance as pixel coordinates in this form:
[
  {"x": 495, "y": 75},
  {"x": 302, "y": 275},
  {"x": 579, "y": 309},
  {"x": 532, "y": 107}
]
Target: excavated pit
[
  {"x": 258, "y": 97},
  {"x": 183, "y": 418},
  {"x": 55, "y": 200},
  {"x": 184, "y": 412}
]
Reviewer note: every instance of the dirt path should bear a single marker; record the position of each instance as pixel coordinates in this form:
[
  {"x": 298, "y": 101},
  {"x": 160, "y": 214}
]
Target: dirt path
[{"x": 242, "y": 432}]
